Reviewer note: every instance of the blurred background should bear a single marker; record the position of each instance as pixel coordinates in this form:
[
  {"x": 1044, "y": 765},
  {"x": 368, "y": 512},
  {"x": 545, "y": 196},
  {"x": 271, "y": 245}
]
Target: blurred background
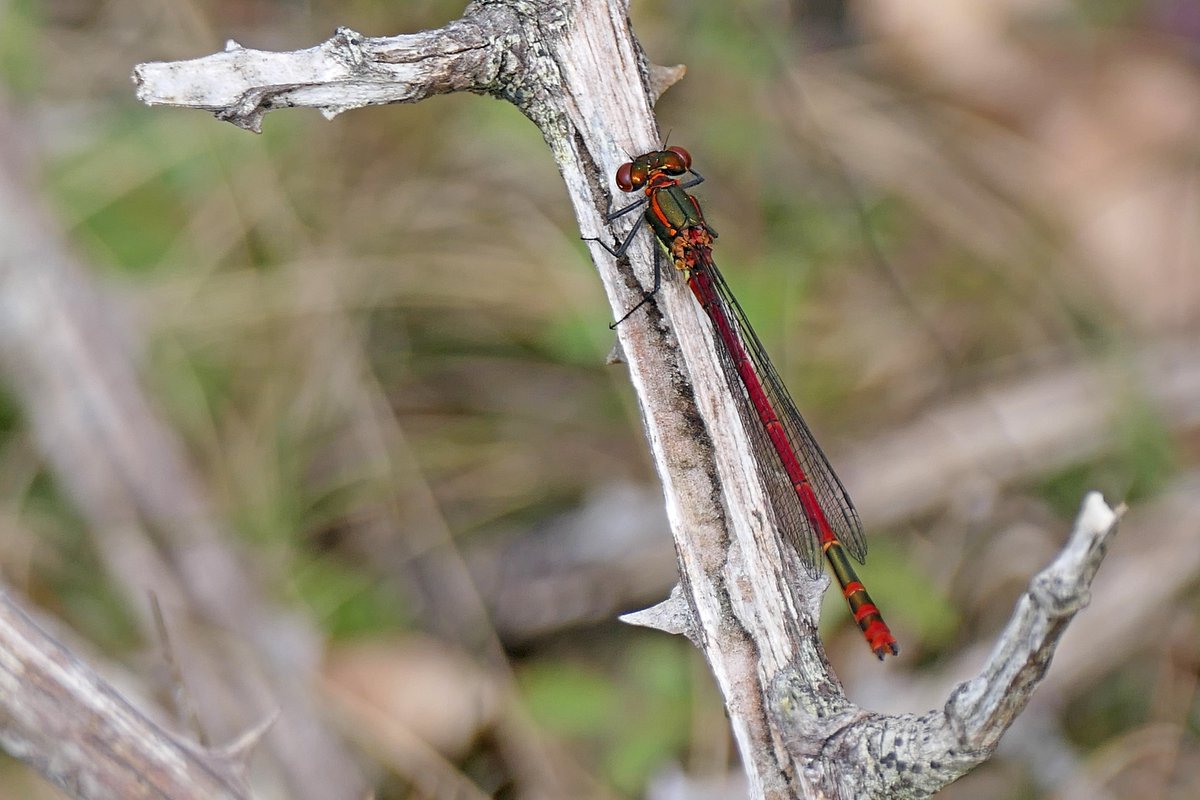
[{"x": 371, "y": 361}]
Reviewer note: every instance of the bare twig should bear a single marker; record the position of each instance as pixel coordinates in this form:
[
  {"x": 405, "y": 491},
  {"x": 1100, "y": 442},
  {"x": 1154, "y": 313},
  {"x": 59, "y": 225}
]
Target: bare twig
[
  {"x": 856, "y": 754},
  {"x": 348, "y": 71},
  {"x": 1158, "y": 558},
  {"x": 980, "y": 710}
]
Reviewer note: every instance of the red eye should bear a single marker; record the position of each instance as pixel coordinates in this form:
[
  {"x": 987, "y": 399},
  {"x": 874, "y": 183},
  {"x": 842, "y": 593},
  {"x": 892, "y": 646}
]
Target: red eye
[
  {"x": 630, "y": 177},
  {"x": 624, "y": 179},
  {"x": 684, "y": 156}
]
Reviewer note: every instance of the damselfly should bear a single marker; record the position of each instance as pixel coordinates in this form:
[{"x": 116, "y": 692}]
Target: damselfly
[{"x": 810, "y": 504}]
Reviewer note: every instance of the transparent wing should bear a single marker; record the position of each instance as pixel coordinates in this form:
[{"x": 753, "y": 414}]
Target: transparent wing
[{"x": 797, "y": 523}]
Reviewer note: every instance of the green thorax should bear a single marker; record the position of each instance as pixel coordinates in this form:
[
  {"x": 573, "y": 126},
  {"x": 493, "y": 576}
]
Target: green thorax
[{"x": 672, "y": 211}]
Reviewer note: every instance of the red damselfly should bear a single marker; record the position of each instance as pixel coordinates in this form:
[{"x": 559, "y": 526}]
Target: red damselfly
[{"x": 811, "y": 506}]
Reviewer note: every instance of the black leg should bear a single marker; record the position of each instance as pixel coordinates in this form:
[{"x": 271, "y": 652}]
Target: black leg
[
  {"x": 618, "y": 251},
  {"x": 620, "y": 212},
  {"x": 696, "y": 181},
  {"x": 646, "y": 296}
]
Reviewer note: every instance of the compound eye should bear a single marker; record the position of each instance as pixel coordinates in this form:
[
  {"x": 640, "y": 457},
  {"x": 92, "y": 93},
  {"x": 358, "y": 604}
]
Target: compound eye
[
  {"x": 684, "y": 156},
  {"x": 630, "y": 177}
]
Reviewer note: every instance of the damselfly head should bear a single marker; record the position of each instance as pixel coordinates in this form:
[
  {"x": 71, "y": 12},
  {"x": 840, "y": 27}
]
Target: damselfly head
[{"x": 634, "y": 174}]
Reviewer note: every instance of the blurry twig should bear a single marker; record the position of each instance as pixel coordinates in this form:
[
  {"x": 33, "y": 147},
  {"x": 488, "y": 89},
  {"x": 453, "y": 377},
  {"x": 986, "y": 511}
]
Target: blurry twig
[
  {"x": 809, "y": 128},
  {"x": 1043, "y": 421},
  {"x": 69, "y": 363},
  {"x": 80, "y": 733},
  {"x": 184, "y": 706}
]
